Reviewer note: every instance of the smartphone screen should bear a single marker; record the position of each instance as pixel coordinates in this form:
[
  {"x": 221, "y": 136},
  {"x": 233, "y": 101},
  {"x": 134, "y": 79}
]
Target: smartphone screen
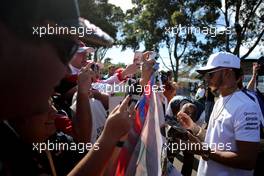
[
  {"x": 153, "y": 55},
  {"x": 138, "y": 57}
]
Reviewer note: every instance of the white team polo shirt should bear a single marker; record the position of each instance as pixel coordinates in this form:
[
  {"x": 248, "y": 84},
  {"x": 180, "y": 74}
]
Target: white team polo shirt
[{"x": 234, "y": 118}]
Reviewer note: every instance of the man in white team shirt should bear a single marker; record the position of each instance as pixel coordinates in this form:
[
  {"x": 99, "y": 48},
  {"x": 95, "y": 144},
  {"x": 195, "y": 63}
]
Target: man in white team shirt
[{"x": 233, "y": 130}]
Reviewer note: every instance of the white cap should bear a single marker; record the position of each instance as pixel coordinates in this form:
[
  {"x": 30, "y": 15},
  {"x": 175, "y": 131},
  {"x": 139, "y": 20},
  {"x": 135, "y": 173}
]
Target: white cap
[{"x": 220, "y": 59}]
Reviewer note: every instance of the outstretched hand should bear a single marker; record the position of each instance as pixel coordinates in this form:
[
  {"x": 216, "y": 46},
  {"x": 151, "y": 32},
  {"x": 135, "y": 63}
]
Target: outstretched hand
[
  {"x": 130, "y": 70},
  {"x": 185, "y": 120},
  {"x": 147, "y": 68},
  {"x": 255, "y": 68}
]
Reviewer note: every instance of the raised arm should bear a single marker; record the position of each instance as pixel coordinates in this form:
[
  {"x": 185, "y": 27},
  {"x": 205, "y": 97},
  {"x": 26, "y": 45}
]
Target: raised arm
[
  {"x": 252, "y": 83},
  {"x": 82, "y": 120},
  {"x": 187, "y": 122},
  {"x": 117, "y": 125}
]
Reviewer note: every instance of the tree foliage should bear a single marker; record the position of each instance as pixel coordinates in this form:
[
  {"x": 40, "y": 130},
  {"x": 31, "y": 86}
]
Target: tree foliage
[
  {"x": 104, "y": 15},
  {"x": 155, "y": 23}
]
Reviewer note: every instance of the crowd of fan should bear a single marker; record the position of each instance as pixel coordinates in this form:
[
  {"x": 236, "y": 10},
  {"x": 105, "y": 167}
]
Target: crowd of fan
[{"x": 49, "y": 94}]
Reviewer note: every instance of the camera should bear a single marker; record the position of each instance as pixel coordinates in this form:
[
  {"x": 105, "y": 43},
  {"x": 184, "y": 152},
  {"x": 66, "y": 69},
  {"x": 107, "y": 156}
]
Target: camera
[
  {"x": 95, "y": 67},
  {"x": 138, "y": 57},
  {"x": 173, "y": 130},
  {"x": 132, "y": 90}
]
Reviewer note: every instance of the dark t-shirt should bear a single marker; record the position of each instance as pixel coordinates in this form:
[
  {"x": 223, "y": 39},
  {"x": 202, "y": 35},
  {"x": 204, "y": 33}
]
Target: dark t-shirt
[{"x": 18, "y": 158}]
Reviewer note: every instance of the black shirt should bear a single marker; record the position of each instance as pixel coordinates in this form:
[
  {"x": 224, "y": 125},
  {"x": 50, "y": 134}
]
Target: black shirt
[{"x": 19, "y": 158}]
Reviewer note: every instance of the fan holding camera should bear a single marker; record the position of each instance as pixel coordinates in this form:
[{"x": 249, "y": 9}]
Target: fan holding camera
[
  {"x": 176, "y": 132},
  {"x": 257, "y": 70}
]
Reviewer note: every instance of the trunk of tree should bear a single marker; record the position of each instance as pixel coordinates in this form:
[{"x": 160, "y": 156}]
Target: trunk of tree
[
  {"x": 176, "y": 59},
  {"x": 172, "y": 65},
  {"x": 95, "y": 55}
]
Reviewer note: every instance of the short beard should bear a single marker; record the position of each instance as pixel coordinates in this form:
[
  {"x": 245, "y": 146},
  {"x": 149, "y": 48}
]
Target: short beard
[{"x": 215, "y": 92}]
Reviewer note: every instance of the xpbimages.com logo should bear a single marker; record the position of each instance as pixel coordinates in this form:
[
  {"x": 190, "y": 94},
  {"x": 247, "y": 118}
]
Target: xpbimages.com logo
[
  {"x": 182, "y": 146},
  {"x": 212, "y": 31},
  {"x": 60, "y": 30},
  {"x": 121, "y": 88},
  {"x": 59, "y": 146}
]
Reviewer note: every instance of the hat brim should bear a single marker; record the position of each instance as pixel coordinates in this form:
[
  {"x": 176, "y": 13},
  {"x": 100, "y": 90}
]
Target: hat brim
[
  {"x": 85, "y": 49},
  {"x": 205, "y": 69}
]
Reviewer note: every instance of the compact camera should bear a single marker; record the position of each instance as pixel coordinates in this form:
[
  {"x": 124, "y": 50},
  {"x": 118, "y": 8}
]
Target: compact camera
[
  {"x": 95, "y": 67},
  {"x": 132, "y": 90},
  {"x": 172, "y": 129}
]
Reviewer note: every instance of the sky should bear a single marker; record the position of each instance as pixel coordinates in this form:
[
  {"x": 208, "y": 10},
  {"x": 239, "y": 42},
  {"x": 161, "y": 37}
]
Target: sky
[
  {"x": 127, "y": 56},
  {"x": 115, "y": 52},
  {"x": 123, "y": 4}
]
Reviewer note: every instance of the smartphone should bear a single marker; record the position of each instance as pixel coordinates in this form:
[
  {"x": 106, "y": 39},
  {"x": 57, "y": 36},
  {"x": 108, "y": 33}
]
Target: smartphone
[
  {"x": 95, "y": 67},
  {"x": 132, "y": 86},
  {"x": 138, "y": 56},
  {"x": 153, "y": 55},
  {"x": 175, "y": 129}
]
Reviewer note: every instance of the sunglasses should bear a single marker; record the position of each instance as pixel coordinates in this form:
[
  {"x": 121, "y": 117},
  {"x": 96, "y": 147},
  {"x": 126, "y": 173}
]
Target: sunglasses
[
  {"x": 210, "y": 74},
  {"x": 66, "y": 48}
]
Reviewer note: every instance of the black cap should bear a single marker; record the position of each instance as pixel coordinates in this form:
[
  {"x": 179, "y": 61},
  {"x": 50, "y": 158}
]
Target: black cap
[{"x": 18, "y": 13}]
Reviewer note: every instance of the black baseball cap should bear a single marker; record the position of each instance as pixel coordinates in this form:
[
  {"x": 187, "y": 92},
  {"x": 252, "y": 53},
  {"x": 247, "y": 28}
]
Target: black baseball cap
[{"x": 20, "y": 14}]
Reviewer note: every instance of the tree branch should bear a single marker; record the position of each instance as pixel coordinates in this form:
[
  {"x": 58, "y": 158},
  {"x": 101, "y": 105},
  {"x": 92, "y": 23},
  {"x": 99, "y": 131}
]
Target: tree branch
[
  {"x": 253, "y": 47},
  {"x": 162, "y": 60},
  {"x": 238, "y": 28},
  {"x": 227, "y": 25},
  {"x": 249, "y": 17}
]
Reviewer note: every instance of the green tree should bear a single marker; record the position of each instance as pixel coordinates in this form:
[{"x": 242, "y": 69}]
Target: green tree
[
  {"x": 151, "y": 22},
  {"x": 104, "y": 15},
  {"x": 155, "y": 23},
  {"x": 246, "y": 19}
]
